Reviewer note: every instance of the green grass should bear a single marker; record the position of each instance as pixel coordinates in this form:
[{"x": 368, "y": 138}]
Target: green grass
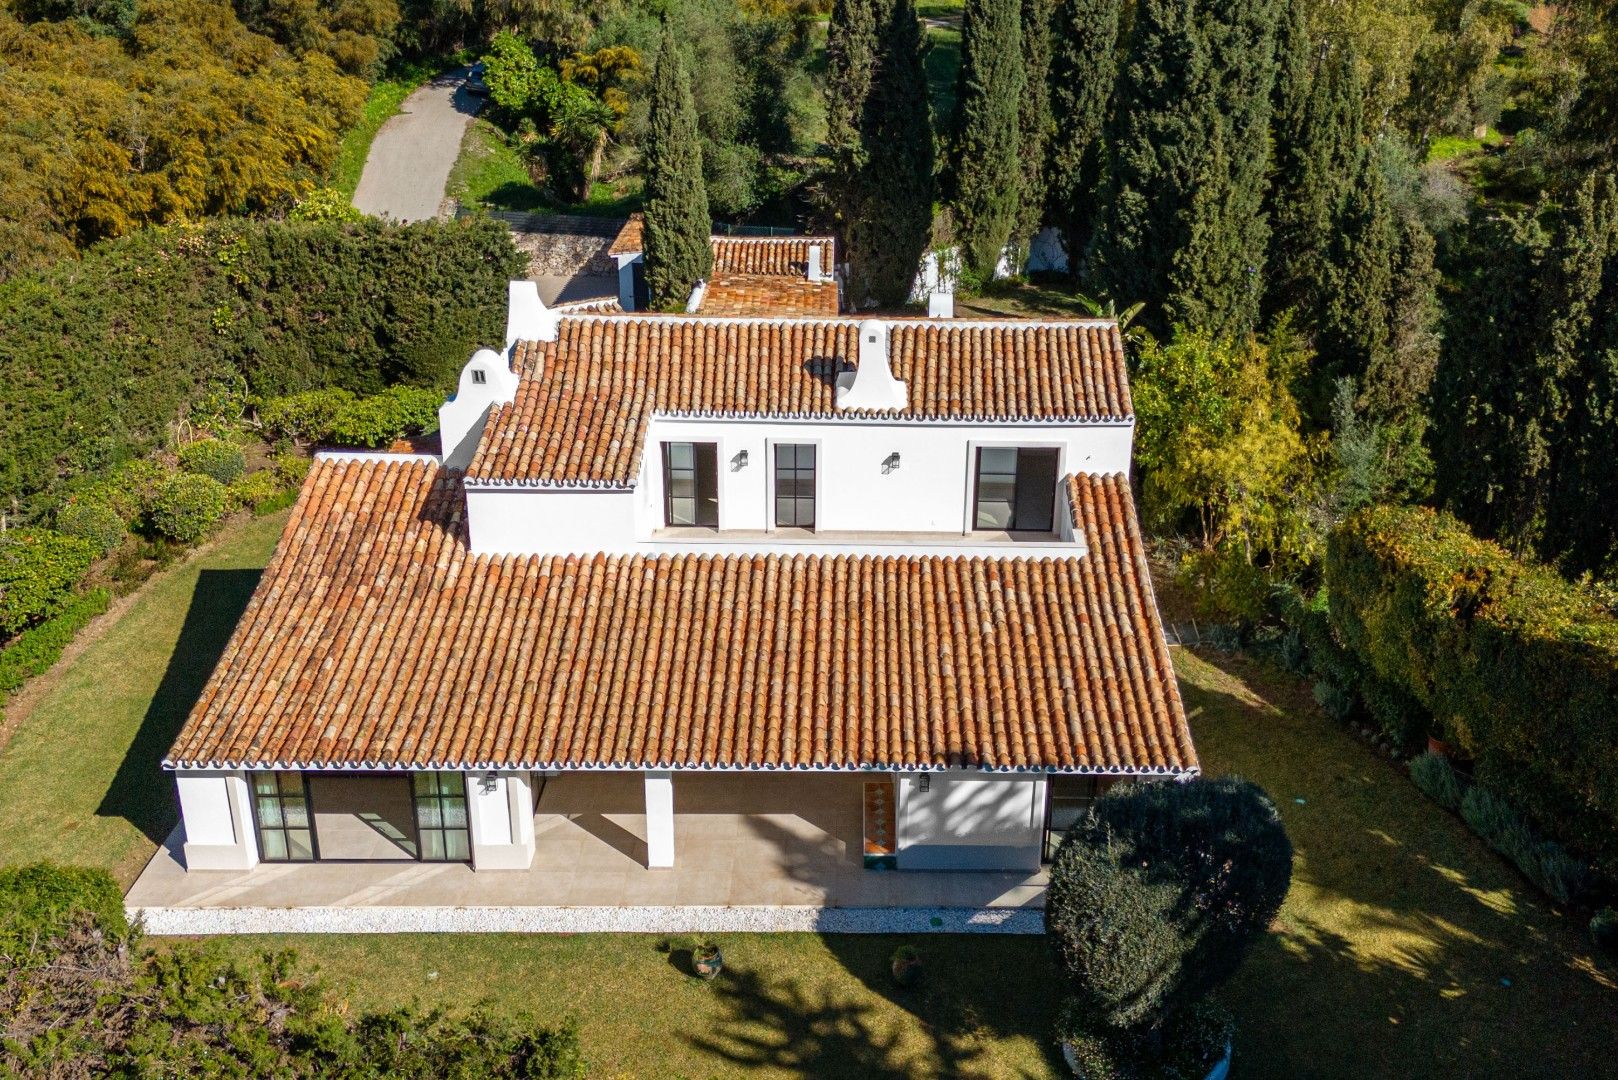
[
  {"x": 387, "y": 95},
  {"x": 490, "y": 173},
  {"x": 80, "y": 779},
  {"x": 1456, "y": 147},
  {"x": 943, "y": 69},
  {"x": 1405, "y": 948}
]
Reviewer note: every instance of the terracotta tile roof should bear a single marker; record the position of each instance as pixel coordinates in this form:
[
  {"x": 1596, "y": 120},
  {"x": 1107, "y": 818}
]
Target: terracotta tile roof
[
  {"x": 581, "y": 409},
  {"x": 784, "y": 256},
  {"x": 376, "y": 639},
  {"x": 768, "y": 294},
  {"x": 629, "y": 239}
]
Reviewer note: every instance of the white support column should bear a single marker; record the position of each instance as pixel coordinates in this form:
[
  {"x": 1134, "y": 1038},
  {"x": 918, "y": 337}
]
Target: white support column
[
  {"x": 500, "y": 820},
  {"x": 216, "y": 812},
  {"x": 659, "y": 820}
]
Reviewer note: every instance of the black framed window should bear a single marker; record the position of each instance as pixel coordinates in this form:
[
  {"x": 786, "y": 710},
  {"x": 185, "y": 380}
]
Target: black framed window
[
  {"x": 691, "y": 484},
  {"x": 1067, "y": 800},
  {"x": 1016, "y": 489},
  {"x": 795, "y": 485},
  {"x": 441, "y": 820},
  {"x": 281, "y": 811}
]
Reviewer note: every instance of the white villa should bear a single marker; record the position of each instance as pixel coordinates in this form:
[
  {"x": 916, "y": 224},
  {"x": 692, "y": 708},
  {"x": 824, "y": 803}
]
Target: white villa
[{"x": 755, "y": 608}]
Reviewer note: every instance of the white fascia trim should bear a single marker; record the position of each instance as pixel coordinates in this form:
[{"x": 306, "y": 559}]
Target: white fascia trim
[
  {"x": 375, "y": 455},
  {"x": 637, "y": 767},
  {"x": 840, "y": 320}
]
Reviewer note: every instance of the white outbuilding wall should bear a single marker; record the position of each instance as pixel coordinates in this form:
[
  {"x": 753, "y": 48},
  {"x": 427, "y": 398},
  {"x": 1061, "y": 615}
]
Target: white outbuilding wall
[
  {"x": 216, "y": 812},
  {"x": 500, "y": 812},
  {"x": 967, "y": 820}
]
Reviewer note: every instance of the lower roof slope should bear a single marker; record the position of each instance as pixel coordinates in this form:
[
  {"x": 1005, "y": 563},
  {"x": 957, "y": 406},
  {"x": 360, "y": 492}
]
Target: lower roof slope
[{"x": 376, "y": 640}]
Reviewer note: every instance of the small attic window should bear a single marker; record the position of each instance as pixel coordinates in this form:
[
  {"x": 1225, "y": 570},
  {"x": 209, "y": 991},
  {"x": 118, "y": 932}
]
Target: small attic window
[
  {"x": 479, "y": 376},
  {"x": 872, "y": 339}
]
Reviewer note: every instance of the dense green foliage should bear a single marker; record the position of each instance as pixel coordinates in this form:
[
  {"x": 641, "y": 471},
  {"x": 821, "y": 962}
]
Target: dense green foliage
[
  {"x": 265, "y": 308},
  {"x": 188, "y": 506},
  {"x": 1158, "y": 893},
  {"x": 882, "y": 145},
  {"x": 1183, "y": 226},
  {"x": 184, "y": 112},
  {"x": 678, "y": 253},
  {"x": 1514, "y": 665},
  {"x": 1036, "y": 123},
  {"x": 37, "y": 567},
  {"x": 33, "y": 651},
  {"x": 92, "y": 520},
  {"x": 81, "y": 996},
  {"x": 1186, "y": 1049},
  {"x": 1437, "y": 779},
  {"x": 988, "y": 138},
  {"x": 1084, "y": 75},
  {"x": 213, "y": 457}
]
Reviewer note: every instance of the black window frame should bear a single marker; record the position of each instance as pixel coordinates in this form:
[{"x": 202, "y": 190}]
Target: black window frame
[
  {"x": 1025, "y": 458},
  {"x": 704, "y": 497},
  {"x": 281, "y": 796},
  {"x": 1051, "y": 838},
  {"x": 797, "y": 474},
  {"x": 438, "y": 799}
]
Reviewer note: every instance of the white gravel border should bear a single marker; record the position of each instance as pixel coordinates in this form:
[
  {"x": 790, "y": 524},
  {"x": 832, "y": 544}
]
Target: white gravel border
[{"x": 586, "y": 920}]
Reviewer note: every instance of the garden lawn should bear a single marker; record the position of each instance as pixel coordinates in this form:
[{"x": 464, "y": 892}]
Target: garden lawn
[{"x": 79, "y": 779}]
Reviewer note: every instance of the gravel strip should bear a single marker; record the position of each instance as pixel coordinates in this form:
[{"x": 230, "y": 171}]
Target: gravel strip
[{"x": 584, "y": 920}]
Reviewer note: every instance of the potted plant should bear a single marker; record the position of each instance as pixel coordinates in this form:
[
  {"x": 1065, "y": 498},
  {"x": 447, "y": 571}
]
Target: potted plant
[
  {"x": 706, "y": 960},
  {"x": 906, "y": 965}
]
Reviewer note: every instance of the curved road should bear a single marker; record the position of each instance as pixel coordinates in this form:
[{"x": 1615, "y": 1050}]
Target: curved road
[{"x": 411, "y": 156}]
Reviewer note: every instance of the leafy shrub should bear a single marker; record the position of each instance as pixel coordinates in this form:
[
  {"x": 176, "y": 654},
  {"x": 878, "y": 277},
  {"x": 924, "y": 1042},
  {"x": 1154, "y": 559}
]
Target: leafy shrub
[
  {"x": 381, "y": 418},
  {"x": 38, "y": 571},
  {"x": 307, "y": 416},
  {"x": 1604, "y": 931},
  {"x": 130, "y": 490},
  {"x": 1399, "y": 716},
  {"x": 1521, "y": 665},
  {"x": 38, "y": 902},
  {"x": 33, "y": 651},
  {"x": 257, "y": 490},
  {"x": 1436, "y": 778},
  {"x": 215, "y": 458},
  {"x": 93, "y": 521},
  {"x": 1156, "y": 896},
  {"x": 290, "y": 469},
  {"x": 1187, "y": 1050},
  {"x": 189, "y": 506},
  {"x": 1559, "y": 874},
  {"x": 1546, "y": 863},
  {"x": 1335, "y": 701}
]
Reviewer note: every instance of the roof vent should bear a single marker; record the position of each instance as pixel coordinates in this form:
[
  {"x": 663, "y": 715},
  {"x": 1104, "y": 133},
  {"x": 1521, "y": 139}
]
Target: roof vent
[
  {"x": 815, "y": 274},
  {"x": 871, "y": 385}
]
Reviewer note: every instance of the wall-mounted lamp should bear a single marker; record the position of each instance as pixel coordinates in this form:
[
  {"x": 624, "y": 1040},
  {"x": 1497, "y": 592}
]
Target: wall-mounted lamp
[
  {"x": 890, "y": 463},
  {"x": 926, "y": 783},
  {"x": 489, "y": 782},
  {"x": 739, "y": 462}
]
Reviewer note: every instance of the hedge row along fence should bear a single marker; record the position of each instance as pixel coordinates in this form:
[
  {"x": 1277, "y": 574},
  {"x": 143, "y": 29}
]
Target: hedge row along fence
[{"x": 1510, "y": 662}]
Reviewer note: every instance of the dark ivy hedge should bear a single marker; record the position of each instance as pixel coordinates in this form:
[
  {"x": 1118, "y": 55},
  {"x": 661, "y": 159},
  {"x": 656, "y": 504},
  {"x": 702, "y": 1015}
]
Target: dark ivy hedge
[
  {"x": 99, "y": 355},
  {"x": 1515, "y": 665}
]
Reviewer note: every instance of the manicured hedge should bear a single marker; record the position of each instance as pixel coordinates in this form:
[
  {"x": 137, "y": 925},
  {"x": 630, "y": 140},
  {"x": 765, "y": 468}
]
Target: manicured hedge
[
  {"x": 100, "y": 355},
  {"x": 33, "y": 651},
  {"x": 1516, "y": 666},
  {"x": 38, "y": 569}
]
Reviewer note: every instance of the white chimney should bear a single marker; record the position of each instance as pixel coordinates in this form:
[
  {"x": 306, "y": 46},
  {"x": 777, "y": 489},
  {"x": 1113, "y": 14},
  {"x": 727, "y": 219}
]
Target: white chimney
[
  {"x": 486, "y": 380},
  {"x": 527, "y": 317},
  {"x": 815, "y": 276},
  {"x": 871, "y": 385}
]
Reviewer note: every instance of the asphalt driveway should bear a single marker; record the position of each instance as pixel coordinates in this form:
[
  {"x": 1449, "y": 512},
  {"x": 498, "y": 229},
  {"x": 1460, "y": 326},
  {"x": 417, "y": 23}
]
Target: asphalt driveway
[{"x": 412, "y": 155}]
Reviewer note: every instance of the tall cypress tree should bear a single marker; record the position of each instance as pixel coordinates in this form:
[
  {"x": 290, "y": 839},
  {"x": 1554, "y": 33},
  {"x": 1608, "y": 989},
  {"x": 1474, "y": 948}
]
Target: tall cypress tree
[
  {"x": 1356, "y": 295},
  {"x": 987, "y": 160},
  {"x": 884, "y": 181},
  {"x": 1183, "y": 227},
  {"x": 1035, "y": 124},
  {"x": 1084, "y": 77},
  {"x": 851, "y": 48},
  {"x": 1317, "y": 138},
  {"x": 1397, "y": 382},
  {"x": 677, "y": 249}
]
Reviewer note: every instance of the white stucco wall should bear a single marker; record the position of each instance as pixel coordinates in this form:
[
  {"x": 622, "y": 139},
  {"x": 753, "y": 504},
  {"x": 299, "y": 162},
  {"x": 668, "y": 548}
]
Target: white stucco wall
[
  {"x": 929, "y": 491},
  {"x": 500, "y": 816},
  {"x": 217, "y": 817},
  {"x": 970, "y": 821}
]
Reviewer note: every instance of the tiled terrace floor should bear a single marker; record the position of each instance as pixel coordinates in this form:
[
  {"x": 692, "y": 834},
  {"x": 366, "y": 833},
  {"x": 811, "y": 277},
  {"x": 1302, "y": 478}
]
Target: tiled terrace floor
[{"x": 744, "y": 840}]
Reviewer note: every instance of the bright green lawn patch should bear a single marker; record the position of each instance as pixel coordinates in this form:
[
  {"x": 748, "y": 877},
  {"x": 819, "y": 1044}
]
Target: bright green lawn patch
[
  {"x": 80, "y": 780},
  {"x": 491, "y": 173},
  {"x": 1394, "y": 950},
  {"x": 387, "y": 96},
  {"x": 1452, "y": 147},
  {"x": 786, "y": 1005}
]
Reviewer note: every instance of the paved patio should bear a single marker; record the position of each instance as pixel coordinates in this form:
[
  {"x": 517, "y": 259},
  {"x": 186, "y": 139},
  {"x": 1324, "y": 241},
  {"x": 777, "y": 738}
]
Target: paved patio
[{"x": 741, "y": 841}]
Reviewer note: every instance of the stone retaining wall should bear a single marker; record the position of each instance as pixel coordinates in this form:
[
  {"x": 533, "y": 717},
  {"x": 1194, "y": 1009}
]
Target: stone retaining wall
[{"x": 557, "y": 254}]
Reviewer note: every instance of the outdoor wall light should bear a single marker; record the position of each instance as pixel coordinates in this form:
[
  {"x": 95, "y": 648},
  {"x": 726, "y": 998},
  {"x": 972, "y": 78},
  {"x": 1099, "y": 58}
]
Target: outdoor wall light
[
  {"x": 926, "y": 782},
  {"x": 739, "y": 462},
  {"x": 489, "y": 782},
  {"x": 890, "y": 463}
]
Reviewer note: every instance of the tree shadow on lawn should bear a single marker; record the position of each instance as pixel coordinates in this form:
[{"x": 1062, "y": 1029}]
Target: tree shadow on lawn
[
  {"x": 785, "y": 1025},
  {"x": 139, "y": 792},
  {"x": 1406, "y": 946}
]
